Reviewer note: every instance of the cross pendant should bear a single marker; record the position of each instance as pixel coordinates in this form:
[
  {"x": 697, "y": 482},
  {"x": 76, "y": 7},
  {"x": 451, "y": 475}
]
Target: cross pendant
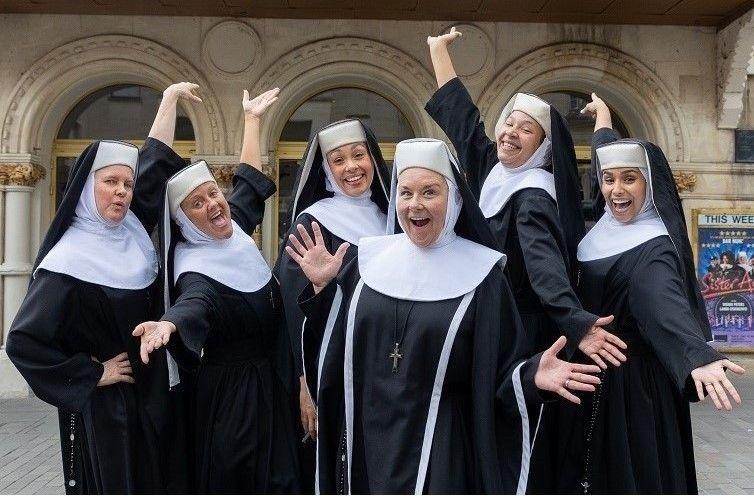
[{"x": 395, "y": 356}]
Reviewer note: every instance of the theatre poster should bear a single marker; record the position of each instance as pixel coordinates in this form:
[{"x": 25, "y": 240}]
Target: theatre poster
[{"x": 723, "y": 241}]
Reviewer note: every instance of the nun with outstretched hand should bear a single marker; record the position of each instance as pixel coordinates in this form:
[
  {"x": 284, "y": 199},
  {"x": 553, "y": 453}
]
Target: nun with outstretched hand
[
  {"x": 223, "y": 307},
  {"x": 92, "y": 282},
  {"x": 421, "y": 367},
  {"x": 634, "y": 434}
]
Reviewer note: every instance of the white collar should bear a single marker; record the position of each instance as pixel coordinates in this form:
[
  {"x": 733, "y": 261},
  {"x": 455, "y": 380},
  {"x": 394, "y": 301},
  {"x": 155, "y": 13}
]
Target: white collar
[
  {"x": 503, "y": 182},
  {"x": 611, "y": 237},
  {"x": 347, "y": 217},
  {"x": 116, "y": 255},
  {"x": 396, "y": 267},
  {"x": 235, "y": 262}
]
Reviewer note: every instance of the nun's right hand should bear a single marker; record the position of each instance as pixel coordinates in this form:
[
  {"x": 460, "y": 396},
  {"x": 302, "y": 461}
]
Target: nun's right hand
[
  {"x": 183, "y": 90},
  {"x": 153, "y": 335},
  {"x": 319, "y": 266},
  {"x": 444, "y": 39},
  {"x": 117, "y": 369}
]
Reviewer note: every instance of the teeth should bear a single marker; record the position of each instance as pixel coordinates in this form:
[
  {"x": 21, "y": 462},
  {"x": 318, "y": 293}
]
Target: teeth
[{"x": 354, "y": 179}]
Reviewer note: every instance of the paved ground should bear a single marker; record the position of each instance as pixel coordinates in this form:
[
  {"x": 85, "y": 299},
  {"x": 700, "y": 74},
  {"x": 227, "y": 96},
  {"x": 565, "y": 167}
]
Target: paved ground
[{"x": 30, "y": 453}]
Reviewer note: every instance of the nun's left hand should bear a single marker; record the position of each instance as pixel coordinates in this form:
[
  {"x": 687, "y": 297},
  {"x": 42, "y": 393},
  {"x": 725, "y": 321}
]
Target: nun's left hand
[
  {"x": 153, "y": 336},
  {"x": 258, "y": 106},
  {"x": 561, "y": 377},
  {"x": 712, "y": 378}
]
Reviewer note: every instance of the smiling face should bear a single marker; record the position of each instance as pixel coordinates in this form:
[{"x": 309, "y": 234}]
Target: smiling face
[
  {"x": 352, "y": 167},
  {"x": 625, "y": 190},
  {"x": 113, "y": 191},
  {"x": 518, "y": 139},
  {"x": 422, "y": 203},
  {"x": 207, "y": 208}
]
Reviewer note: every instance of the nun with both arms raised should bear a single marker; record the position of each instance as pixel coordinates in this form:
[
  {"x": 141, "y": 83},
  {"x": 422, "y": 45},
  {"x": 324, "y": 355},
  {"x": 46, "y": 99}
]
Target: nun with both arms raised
[
  {"x": 422, "y": 379},
  {"x": 527, "y": 186},
  {"x": 225, "y": 307},
  {"x": 634, "y": 434},
  {"x": 92, "y": 282},
  {"x": 343, "y": 186}
]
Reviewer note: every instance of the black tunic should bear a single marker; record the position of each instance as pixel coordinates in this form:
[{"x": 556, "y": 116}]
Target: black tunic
[
  {"x": 530, "y": 233},
  {"x": 488, "y": 405},
  {"x": 641, "y": 439},
  {"x": 119, "y": 432},
  {"x": 244, "y": 422}
]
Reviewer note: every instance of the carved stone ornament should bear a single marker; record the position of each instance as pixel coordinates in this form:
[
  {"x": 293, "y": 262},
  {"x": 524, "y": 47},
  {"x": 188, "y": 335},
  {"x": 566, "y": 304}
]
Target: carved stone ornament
[
  {"x": 684, "y": 181},
  {"x": 21, "y": 174},
  {"x": 224, "y": 173}
]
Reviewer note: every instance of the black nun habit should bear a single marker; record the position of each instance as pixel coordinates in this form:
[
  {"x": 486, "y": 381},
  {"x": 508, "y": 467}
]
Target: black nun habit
[
  {"x": 91, "y": 285},
  {"x": 420, "y": 379}
]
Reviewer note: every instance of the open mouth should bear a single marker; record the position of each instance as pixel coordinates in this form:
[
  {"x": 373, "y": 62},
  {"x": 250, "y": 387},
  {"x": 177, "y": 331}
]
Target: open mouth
[
  {"x": 621, "y": 206},
  {"x": 419, "y": 222},
  {"x": 354, "y": 179},
  {"x": 218, "y": 219},
  {"x": 507, "y": 145}
]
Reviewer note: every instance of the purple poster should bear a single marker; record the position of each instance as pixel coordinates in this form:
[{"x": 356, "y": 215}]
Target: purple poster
[{"x": 725, "y": 270}]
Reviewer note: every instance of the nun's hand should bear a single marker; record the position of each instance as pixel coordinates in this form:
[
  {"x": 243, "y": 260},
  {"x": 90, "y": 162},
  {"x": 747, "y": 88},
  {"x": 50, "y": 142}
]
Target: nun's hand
[
  {"x": 308, "y": 410},
  {"x": 259, "y": 105},
  {"x": 561, "y": 377},
  {"x": 153, "y": 335},
  {"x": 597, "y": 344},
  {"x": 319, "y": 266},
  {"x": 596, "y": 107},
  {"x": 712, "y": 379},
  {"x": 444, "y": 40},
  {"x": 183, "y": 90},
  {"x": 117, "y": 369}
]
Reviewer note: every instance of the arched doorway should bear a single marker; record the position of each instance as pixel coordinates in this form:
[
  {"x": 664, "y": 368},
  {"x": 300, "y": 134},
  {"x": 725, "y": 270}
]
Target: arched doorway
[
  {"x": 569, "y": 104},
  {"x": 385, "y": 118},
  {"x": 123, "y": 112}
]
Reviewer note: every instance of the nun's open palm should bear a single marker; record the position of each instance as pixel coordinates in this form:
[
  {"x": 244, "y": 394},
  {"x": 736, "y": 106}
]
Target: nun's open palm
[
  {"x": 259, "y": 105},
  {"x": 154, "y": 335},
  {"x": 561, "y": 377},
  {"x": 318, "y": 264}
]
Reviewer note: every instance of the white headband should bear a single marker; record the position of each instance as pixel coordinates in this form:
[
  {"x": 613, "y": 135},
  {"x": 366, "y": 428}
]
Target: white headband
[{"x": 186, "y": 181}]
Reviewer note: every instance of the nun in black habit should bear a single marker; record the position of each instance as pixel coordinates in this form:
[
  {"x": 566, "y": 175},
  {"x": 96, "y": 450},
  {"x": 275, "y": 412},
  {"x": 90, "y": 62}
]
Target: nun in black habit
[
  {"x": 91, "y": 283},
  {"x": 225, "y": 305},
  {"x": 342, "y": 185},
  {"x": 634, "y": 434},
  {"x": 421, "y": 377},
  {"x": 527, "y": 186}
]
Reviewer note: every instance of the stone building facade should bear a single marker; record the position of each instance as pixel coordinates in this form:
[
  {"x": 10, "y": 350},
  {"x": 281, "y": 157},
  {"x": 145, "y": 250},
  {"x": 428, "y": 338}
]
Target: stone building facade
[{"x": 683, "y": 87}]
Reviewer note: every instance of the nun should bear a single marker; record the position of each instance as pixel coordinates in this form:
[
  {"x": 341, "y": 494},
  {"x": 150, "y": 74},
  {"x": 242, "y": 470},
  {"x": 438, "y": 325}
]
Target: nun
[
  {"x": 92, "y": 282},
  {"x": 422, "y": 379},
  {"x": 225, "y": 306},
  {"x": 527, "y": 186},
  {"x": 342, "y": 186},
  {"x": 634, "y": 434}
]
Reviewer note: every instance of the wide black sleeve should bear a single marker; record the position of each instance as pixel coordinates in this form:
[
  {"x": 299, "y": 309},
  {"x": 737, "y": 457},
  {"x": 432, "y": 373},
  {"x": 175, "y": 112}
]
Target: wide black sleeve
[
  {"x": 316, "y": 308},
  {"x": 292, "y": 284},
  {"x": 453, "y": 110},
  {"x": 157, "y": 162},
  {"x": 538, "y": 228},
  {"x": 194, "y": 311},
  {"x": 250, "y": 189},
  {"x": 61, "y": 378},
  {"x": 601, "y": 136},
  {"x": 658, "y": 303}
]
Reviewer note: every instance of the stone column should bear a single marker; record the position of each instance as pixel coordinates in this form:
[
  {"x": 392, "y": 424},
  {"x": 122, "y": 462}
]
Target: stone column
[
  {"x": 223, "y": 167},
  {"x": 18, "y": 176}
]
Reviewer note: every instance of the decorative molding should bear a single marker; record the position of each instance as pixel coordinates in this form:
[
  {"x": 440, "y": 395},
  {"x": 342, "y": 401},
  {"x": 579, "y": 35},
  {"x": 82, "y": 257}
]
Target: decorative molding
[
  {"x": 239, "y": 37},
  {"x": 735, "y": 48},
  {"x": 99, "y": 57},
  {"x": 223, "y": 174},
  {"x": 473, "y": 55},
  {"x": 684, "y": 181},
  {"x": 630, "y": 85},
  {"x": 21, "y": 174}
]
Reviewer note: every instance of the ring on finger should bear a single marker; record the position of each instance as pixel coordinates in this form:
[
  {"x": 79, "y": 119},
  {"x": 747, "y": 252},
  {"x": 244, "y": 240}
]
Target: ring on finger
[{"x": 566, "y": 383}]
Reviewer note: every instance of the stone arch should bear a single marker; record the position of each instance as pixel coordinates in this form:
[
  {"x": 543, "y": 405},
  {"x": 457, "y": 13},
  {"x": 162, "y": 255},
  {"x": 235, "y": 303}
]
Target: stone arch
[
  {"x": 735, "y": 59},
  {"x": 52, "y": 85},
  {"x": 643, "y": 101},
  {"x": 344, "y": 62}
]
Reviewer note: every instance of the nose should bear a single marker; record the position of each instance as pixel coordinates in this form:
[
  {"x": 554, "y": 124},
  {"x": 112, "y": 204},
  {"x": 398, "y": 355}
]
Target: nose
[{"x": 121, "y": 189}]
